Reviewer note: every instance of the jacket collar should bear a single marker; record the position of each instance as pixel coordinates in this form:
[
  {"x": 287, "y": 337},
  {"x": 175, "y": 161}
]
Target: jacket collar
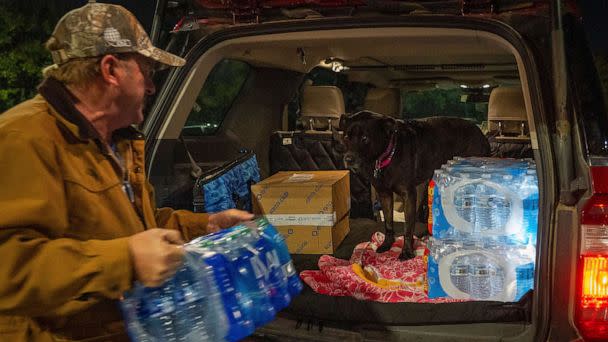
[{"x": 63, "y": 106}]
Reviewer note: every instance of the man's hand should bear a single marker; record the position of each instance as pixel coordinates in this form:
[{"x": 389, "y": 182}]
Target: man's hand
[
  {"x": 156, "y": 254},
  {"x": 227, "y": 219}
]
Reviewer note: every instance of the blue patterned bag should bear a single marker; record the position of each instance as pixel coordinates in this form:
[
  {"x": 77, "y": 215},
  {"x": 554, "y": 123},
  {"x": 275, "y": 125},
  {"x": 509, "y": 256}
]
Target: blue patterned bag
[{"x": 228, "y": 186}]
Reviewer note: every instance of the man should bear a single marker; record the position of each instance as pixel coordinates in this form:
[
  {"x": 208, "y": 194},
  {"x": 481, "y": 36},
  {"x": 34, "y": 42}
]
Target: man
[{"x": 77, "y": 216}]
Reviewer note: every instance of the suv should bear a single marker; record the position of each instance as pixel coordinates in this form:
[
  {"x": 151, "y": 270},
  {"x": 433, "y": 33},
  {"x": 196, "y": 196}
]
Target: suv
[{"x": 249, "y": 64}]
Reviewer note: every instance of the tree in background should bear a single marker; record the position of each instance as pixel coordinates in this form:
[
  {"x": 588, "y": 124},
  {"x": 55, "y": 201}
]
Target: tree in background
[{"x": 24, "y": 28}]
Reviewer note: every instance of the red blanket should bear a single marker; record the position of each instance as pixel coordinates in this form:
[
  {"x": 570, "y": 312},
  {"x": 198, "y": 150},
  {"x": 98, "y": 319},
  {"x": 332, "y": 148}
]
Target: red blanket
[{"x": 374, "y": 276}]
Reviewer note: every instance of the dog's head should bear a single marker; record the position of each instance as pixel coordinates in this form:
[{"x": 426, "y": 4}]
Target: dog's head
[{"x": 365, "y": 137}]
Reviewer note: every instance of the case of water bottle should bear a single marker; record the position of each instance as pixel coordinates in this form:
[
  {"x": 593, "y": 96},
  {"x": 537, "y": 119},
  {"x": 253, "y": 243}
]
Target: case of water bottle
[
  {"x": 231, "y": 283},
  {"x": 484, "y": 225}
]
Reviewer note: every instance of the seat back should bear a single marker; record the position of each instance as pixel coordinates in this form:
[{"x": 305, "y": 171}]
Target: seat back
[
  {"x": 321, "y": 107},
  {"x": 386, "y": 101}
]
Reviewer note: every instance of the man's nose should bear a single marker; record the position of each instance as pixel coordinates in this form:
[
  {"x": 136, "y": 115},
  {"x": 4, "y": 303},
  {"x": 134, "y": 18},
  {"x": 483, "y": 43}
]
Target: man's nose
[{"x": 150, "y": 88}]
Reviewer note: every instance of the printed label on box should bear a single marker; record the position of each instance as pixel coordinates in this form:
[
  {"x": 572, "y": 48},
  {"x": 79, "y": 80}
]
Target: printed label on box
[
  {"x": 299, "y": 177},
  {"x": 302, "y": 219}
]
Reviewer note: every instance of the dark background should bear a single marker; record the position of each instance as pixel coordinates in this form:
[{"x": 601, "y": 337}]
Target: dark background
[
  {"x": 143, "y": 9},
  {"x": 26, "y": 24},
  {"x": 595, "y": 14}
]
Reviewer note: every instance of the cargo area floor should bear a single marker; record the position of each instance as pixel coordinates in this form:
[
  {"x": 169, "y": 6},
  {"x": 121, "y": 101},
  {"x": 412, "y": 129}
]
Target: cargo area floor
[{"x": 310, "y": 305}]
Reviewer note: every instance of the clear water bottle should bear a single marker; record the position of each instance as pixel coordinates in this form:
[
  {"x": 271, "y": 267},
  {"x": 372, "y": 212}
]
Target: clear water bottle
[
  {"x": 198, "y": 309},
  {"x": 493, "y": 208},
  {"x": 236, "y": 305},
  {"x": 497, "y": 281},
  {"x": 465, "y": 199},
  {"x": 250, "y": 269},
  {"x": 276, "y": 279},
  {"x": 269, "y": 232},
  {"x": 529, "y": 191},
  {"x": 480, "y": 281},
  {"x": 459, "y": 274},
  {"x": 525, "y": 279},
  {"x": 157, "y": 313},
  {"x": 484, "y": 201}
]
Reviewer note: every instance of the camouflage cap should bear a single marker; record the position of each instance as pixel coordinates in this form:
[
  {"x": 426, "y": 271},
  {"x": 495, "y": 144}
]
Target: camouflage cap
[{"x": 98, "y": 29}]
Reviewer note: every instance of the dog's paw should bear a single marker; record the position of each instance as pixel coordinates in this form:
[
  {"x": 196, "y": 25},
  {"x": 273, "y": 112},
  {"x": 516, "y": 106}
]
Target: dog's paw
[
  {"x": 406, "y": 254},
  {"x": 389, "y": 240}
]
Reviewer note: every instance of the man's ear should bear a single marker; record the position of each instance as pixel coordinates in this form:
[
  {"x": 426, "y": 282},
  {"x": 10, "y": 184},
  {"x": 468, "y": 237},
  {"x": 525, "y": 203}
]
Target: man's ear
[{"x": 109, "y": 68}]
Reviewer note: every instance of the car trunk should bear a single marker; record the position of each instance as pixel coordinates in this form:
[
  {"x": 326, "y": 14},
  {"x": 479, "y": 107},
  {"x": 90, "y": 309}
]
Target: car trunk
[{"x": 280, "y": 54}]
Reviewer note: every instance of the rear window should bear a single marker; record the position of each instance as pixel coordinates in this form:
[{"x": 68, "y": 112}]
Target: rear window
[
  {"x": 462, "y": 102},
  {"x": 215, "y": 99}
]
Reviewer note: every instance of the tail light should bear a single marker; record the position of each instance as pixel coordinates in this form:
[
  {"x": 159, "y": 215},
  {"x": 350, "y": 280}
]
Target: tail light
[{"x": 592, "y": 282}]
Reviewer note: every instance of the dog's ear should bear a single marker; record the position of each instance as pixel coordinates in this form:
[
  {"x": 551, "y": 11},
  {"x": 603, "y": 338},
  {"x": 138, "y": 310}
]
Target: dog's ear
[{"x": 388, "y": 125}]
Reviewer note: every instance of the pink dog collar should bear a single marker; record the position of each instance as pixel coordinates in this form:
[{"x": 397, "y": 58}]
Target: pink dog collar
[{"x": 386, "y": 157}]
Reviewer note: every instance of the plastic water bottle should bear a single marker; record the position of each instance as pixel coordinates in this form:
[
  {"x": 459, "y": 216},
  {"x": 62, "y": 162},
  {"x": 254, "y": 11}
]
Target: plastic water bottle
[
  {"x": 480, "y": 281},
  {"x": 269, "y": 232},
  {"x": 459, "y": 274},
  {"x": 198, "y": 308},
  {"x": 493, "y": 209},
  {"x": 497, "y": 281},
  {"x": 250, "y": 269},
  {"x": 236, "y": 305},
  {"x": 189, "y": 301},
  {"x": 276, "y": 279},
  {"x": 465, "y": 199},
  {"x": 525, "y": 279},
  {"x": 157, "y": 313},
  {"x": 529, "y": 190}
]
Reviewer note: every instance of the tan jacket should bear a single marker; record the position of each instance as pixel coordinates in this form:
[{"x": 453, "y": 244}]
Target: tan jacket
[{"x": 65, "y": 219}]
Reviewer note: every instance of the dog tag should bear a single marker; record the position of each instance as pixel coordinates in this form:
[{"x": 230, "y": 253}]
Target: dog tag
[
  {"x": 287, "y": 141},
  {"x": 377, "y": 173}
]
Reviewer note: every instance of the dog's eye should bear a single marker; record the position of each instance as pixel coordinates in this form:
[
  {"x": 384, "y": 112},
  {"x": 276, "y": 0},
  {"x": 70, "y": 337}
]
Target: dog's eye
[{"x": 364, "y": 139}]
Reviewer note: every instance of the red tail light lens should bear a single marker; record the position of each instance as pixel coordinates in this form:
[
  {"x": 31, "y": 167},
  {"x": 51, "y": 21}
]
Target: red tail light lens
[{"x": 592, "y": 282}]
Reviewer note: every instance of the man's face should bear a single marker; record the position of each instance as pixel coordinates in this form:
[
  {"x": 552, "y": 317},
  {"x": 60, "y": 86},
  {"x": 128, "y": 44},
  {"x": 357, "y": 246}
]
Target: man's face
[{"x": 135, "y": 86}]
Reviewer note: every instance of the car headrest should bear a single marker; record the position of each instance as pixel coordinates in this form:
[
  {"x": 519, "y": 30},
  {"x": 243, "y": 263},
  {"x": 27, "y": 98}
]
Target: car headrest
[
  {"x": 385, "y": 101},
  {"x": 507, "y": 104},
  {"x": 320, "y": 105},
  {"x": 507, "y": 112}
]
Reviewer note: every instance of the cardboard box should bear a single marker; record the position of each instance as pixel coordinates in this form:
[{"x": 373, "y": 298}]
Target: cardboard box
[
  {"x": 310, "y": 208},
  {"x": 315, "y": 239}
]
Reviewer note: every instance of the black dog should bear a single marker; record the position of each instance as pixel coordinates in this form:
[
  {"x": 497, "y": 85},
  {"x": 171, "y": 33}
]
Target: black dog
[{"x": 399, "y": 155}]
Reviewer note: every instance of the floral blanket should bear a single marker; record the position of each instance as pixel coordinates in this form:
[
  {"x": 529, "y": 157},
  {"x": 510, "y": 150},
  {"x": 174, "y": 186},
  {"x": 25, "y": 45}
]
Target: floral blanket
[{"x": 374, "y": 276}]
